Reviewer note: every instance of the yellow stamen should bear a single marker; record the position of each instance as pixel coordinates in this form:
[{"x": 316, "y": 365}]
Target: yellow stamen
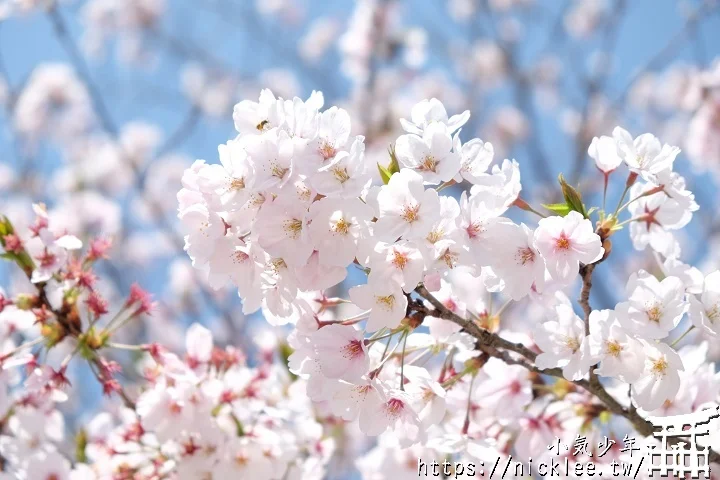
[
  {"x": 387, "y": 302},
  {"x": 660, "y": 366},
  {"x": 613, "y": 349}
]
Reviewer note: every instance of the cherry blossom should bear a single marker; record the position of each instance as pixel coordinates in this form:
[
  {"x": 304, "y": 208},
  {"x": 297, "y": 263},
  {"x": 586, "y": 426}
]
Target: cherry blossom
[
  {"x": 660, "y": 379},
  {"x": 429, "y": 155},
  {"x": 620, "y": 355},
  {"x": 705, "y": 310},
  {"x": 387, "y": 304},
  {"x": 653, "y": 308},
  {"x": 564, "y": 344},
  {"x": 565, "y": 242},
  {"x": 405, "y": 208}
]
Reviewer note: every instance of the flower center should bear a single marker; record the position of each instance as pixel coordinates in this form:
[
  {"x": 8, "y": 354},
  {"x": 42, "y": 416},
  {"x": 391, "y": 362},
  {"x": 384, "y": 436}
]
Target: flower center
[
  {"x": 341, "y": 174},
  {"x": 654, "y": 314},
  {"x": 714, "y": 313},
  {"x": 410, "y": 213},
  {"x": 525, "y": 255},
  {"x": 278, "y": 171},
  {"x": 660, "y": 366},
  {"x": 387, "y": 302},
  {"x": 327, "y": 150},
  {"x": 237, "y": 184},
  {"x": 303, "y": 192},
  {"x": 429, "y": 164},
  {"x": 240, "y": 257},
  {"x": 435, "y": 235},
  {"x": 293, "y": 227},
  {"x": 400, "y": 259},
  {"x": 353, "y": 350},
  {"x": 572, "y": 343},
  {"x": 613, "y": 348},
  {"x": 342, "y": 226},
  {"x": 394, "y": 407},
  {"x": 450, "y": 258},
  {"x": 474, "y": 229},
  {"x": 562, "y": 242},
  {"x": 277, "y": 264}
]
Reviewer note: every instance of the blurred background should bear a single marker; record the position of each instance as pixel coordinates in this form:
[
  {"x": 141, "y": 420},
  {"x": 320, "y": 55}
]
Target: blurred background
[{"x": 106, "y": 102}]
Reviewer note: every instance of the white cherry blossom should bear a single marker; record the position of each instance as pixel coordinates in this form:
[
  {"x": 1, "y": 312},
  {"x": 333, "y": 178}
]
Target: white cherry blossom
[
  {"x": 387, "y": 304},
  {"x": 653, "y": 308},
  {"x": 704, "y": 311},
  {"x": 565, "y": 242},
  {"x": 405, "y": 208},
  {"x": 563, "y": 344},
  {"x": 660, "y": 380},
  {"x": 430, "y": 155}
]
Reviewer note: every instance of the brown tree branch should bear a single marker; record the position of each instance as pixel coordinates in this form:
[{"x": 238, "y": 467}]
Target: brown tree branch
[{"x": 490, "y": 343}]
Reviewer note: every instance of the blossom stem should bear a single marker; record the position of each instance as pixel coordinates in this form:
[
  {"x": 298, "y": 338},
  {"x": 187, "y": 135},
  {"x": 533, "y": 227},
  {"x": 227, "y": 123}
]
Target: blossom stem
[
  {"x": 679, "y": 339},
  {"x": 357, "y": 318},
  {"x": 523, "y": 205},
  {"x": 387, "y": 335},
  {"x": 122, "y": 346},
  {"x": 21, "y": 347},
  {"x": 622, "y": 198},
  {"x": 454, "y": 379},
  {"x": 402, "y": 364},
  {"x": 466, "y": 424},
  {"x": 606, "y": 178},
  {"x": 645, "y": 194},
  {"x": 421, "y": 355},
  {"x": 449, "y": 183},
  {"x": 629, "y": 220},
  {"x": 389, "y": 355}
]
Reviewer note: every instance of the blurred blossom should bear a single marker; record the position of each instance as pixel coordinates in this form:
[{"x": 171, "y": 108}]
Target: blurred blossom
[
  {"x": 280, "y": 80},
  {"x": 584, "y": 17},
  {"x": 415, "y": 47},
  {"x": 7, "y": 176},
  {"x": 461, "y": 10},
  {"x": 642, "y": 92},
  {"x": 212, "y": 94},
  {"x": 679, "y": 88},
  {"x": 319, "y": 38},
  {"x": 505, "y": 5},
  {"x": 89, "y": 212},
  {"x": 703, "y": 137},
  {"x": 53, "y": 102},
  {"x": 511, "y": 30},
  {"x": 162, "y": 174},
  {"x": 135, "y": 248},
  {"x": 507, "y": 126},
  {"x": 107, "y": 164},
  {"x": 488, "y": 64},
  {"x": 128, "y": 20}
]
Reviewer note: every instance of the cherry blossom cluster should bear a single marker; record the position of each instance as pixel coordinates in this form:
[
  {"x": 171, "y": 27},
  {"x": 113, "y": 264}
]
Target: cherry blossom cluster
[
  {"x": 294, "y": 211},
  {"x": 210, "y": 415},
  {"x": 206, "y": 413}
]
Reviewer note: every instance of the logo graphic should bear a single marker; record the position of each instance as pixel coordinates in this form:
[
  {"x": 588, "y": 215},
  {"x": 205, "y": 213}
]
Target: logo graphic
[{"x": 679, "y": 453}]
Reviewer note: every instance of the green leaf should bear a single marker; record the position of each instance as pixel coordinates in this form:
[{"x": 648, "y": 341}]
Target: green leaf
[
  {"x": 561, "y": 209},
  {"x": 9, "y": 256},
  {"x": 572, "y": 197},
  {"x": 394, "y": 167},
  {"x": 81, "y": 441},
  {"x": 385, "y": 174}
]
